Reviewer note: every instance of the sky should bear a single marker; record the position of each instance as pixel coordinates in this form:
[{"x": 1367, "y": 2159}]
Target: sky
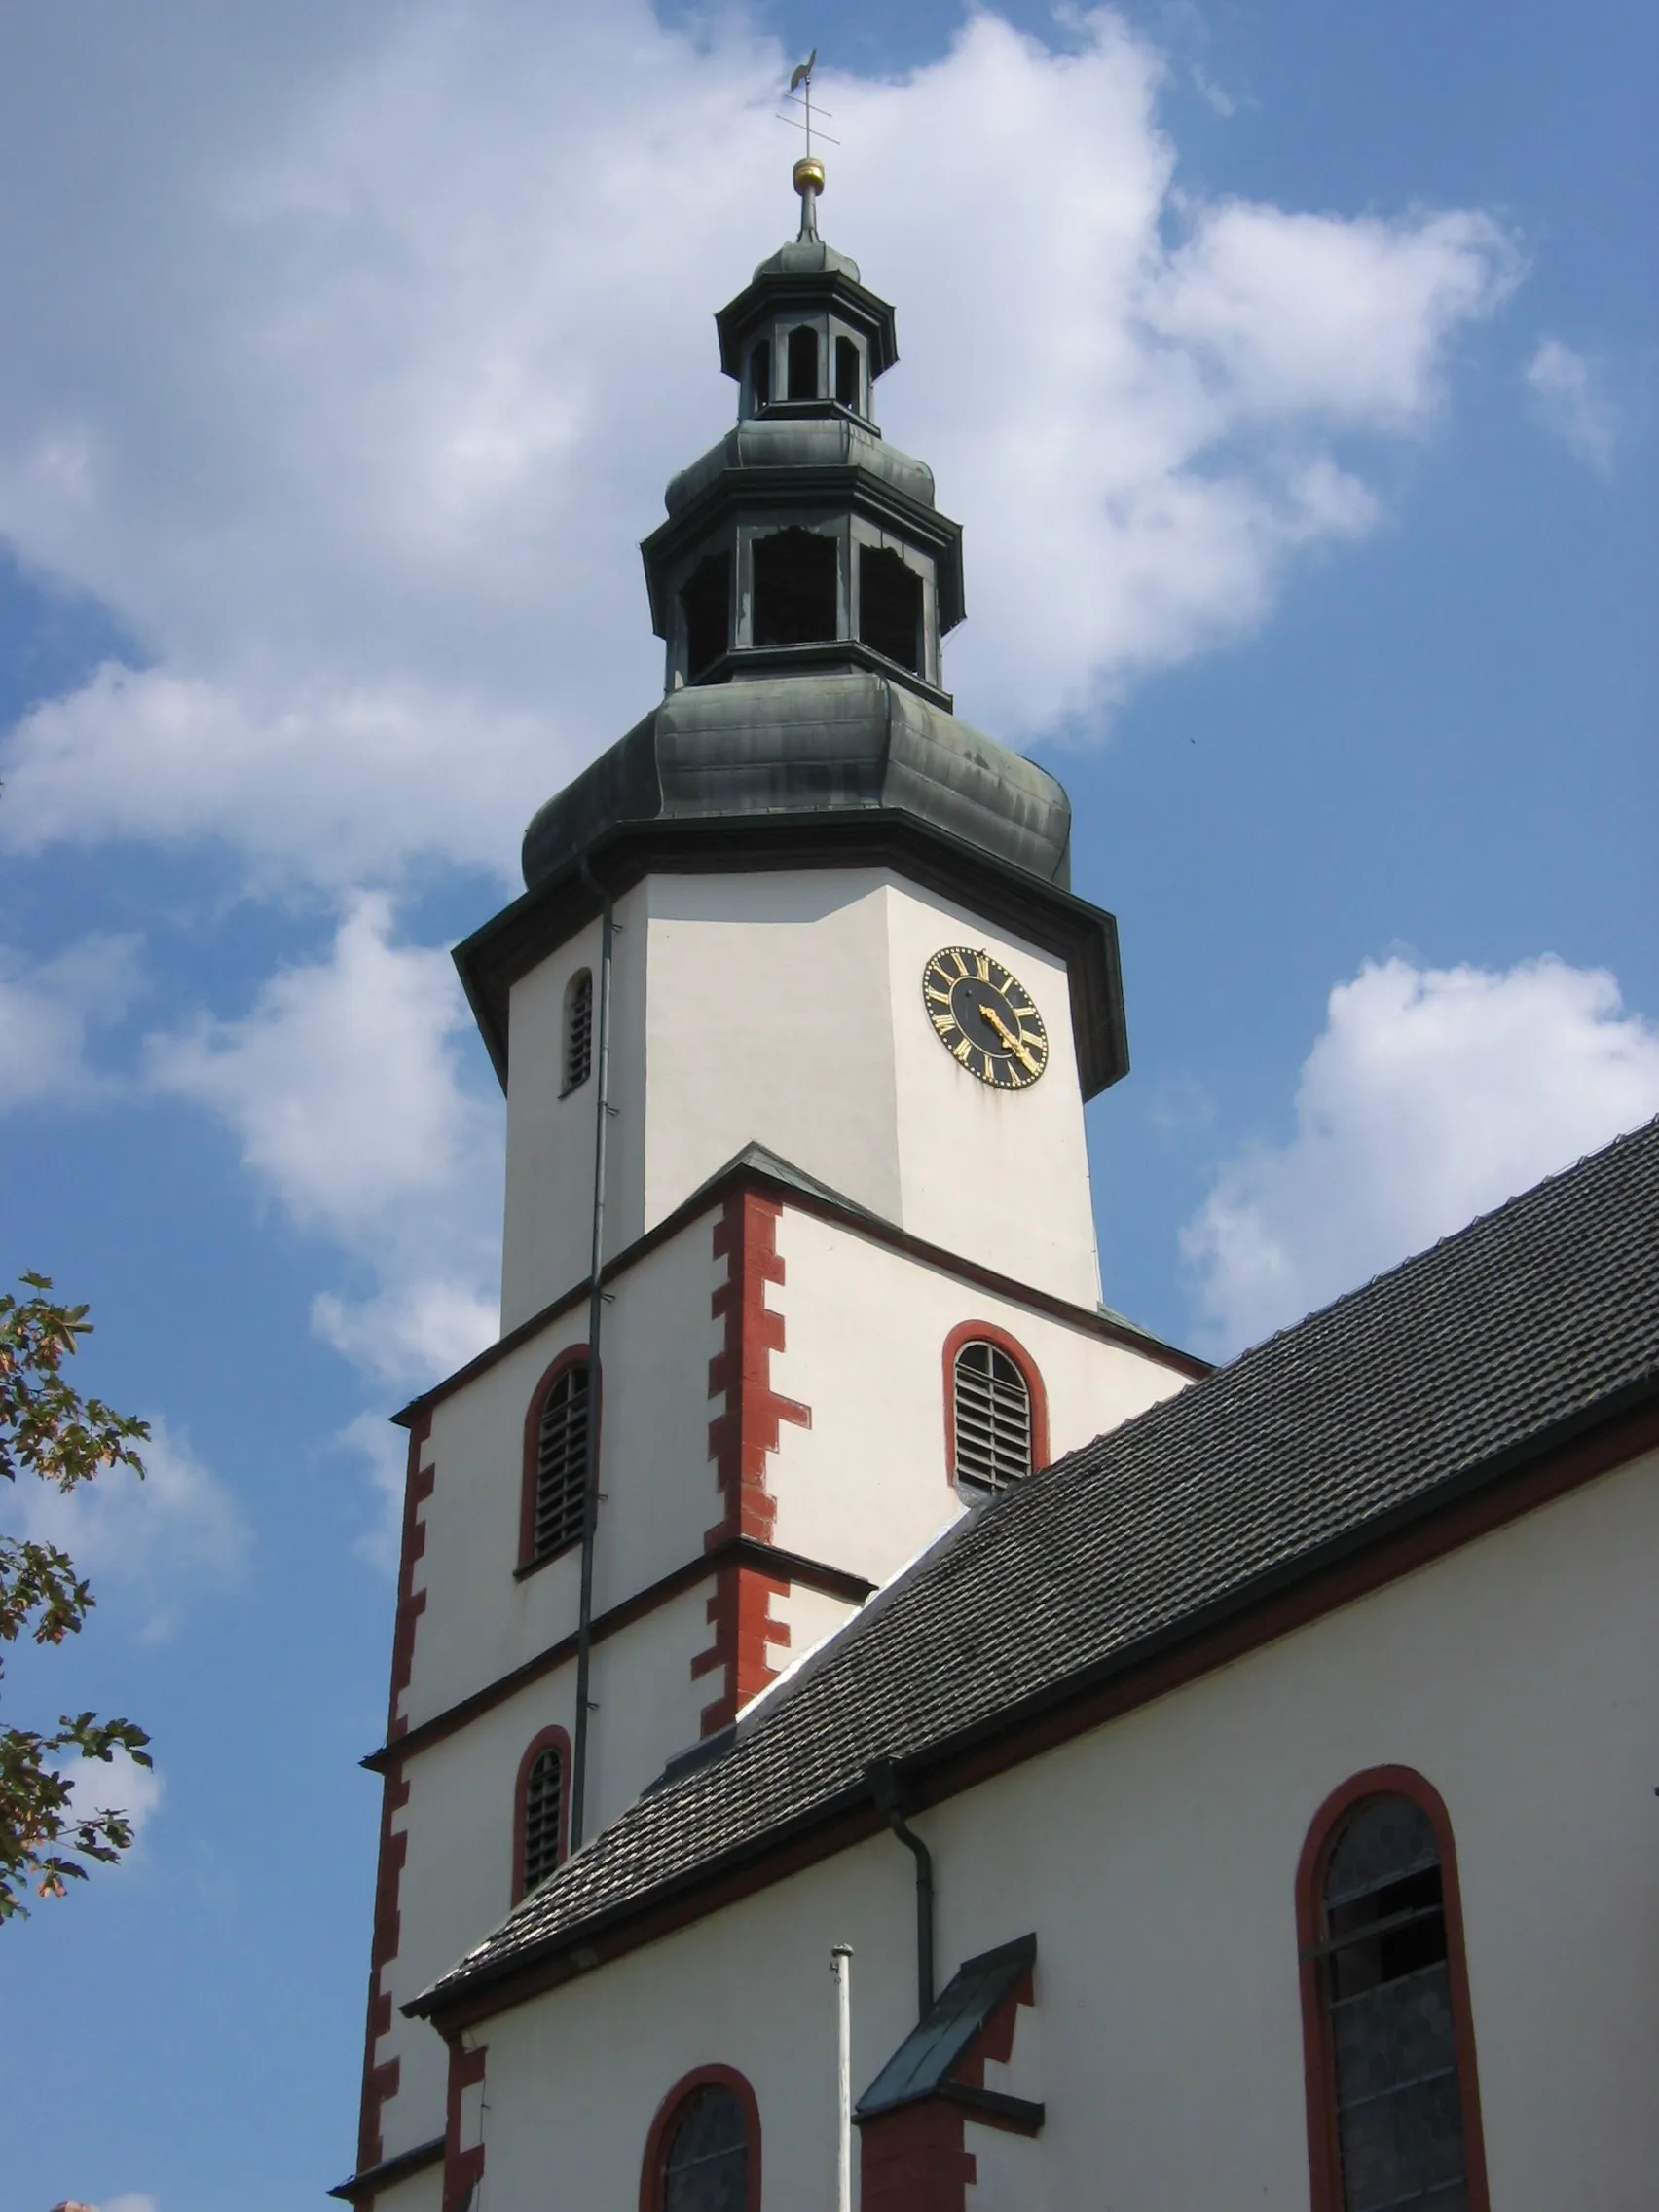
[{"x": 1292, "y": 371}]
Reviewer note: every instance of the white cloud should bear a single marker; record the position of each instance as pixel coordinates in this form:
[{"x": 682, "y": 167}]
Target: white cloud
[
  {"x": 177, "y": 1530},
  {"x": 1432, "y": 1096},
  {"x": 1569, "y": 398},
  {"x": 383, "y": 336},
  {"x": 336, "y": 1084},
  {"x": 1213, "y": 94},
  {"x": 413, "y": 1329},
  {"x": 343, "y": 1088},
  {"x": 130, "y": 2203},
  {"x": 47, "y": 1007}
]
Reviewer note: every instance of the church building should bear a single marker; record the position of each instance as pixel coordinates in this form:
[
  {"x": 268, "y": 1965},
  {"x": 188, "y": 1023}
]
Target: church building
[{"x": 1214, "y": 1788}]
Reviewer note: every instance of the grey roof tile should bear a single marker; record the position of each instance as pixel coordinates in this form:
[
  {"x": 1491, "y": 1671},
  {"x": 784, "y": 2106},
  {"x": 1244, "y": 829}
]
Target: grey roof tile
[{"x": 1540, "y": 1314}]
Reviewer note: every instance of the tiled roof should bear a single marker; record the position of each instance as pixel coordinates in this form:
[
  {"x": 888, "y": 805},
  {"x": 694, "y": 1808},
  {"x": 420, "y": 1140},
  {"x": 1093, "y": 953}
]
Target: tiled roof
[{"x": 1536, "y": 1320}]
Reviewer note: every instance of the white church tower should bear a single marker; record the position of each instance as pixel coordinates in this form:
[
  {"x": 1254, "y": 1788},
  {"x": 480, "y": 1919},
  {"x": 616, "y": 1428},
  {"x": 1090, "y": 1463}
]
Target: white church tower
[{"x": 796, "y": 1018}]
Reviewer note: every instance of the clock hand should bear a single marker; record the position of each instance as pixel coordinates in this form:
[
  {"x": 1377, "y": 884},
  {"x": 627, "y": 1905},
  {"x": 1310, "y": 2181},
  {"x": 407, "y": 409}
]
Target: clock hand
[{"x": 1015, "y": 1045}]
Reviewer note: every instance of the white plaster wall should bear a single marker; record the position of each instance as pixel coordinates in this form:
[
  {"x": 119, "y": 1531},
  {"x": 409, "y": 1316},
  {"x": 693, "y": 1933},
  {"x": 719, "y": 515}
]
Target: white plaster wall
[
  {"x": 648, "y": 1704},
  {"x": 768, "y": 1019},
  {"x": 1001, "y": 1177},
  {"x": 1155, "y": 1861},
  {"x": 868, "y": 1485},
  {"x": 788, "y": 1009},
  {"x": 659, "y": 1492},
  {"x": 457, "y": 1882},
  {"x": 865, "y": 1488},
  {"x": 420, "y": 2193},
  {"x": 575, "y": 2079},
  {"x": 478, "y": 1621},
  {"x": 458, "y": 1873},
  {"x": 547, "y": 1231}
]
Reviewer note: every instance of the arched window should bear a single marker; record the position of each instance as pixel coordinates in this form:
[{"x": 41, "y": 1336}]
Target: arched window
[
  {"x": 1393, "y": 2117},
  {"x": 556, "y": 1458},
  {"x": 993, "y": 1419},
  {"x": 760, "y": 375},
  {"x": 704, "y": 2151},
  {"x": 804, "y": 362},
  {"x": 795, "y": 575},
  {"x": 996, "y": 1415},
  {"x": 847, "y": 377},
  {"x": 539, "y": 1810},
  {"x": 579, "y": 1030}
]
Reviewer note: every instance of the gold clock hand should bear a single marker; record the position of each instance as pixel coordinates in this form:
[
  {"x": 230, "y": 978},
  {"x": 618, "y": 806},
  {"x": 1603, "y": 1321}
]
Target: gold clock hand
[{"x": 1015, "y": 1045}]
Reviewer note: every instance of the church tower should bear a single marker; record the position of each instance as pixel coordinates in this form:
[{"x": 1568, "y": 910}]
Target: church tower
[{"x": 796, "y": 1019}]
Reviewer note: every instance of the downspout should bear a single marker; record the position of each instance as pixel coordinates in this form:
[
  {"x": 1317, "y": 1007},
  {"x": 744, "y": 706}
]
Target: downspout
[
  {"x": 596, "y": 1314},
  {"x": 884, "y": 1787}
]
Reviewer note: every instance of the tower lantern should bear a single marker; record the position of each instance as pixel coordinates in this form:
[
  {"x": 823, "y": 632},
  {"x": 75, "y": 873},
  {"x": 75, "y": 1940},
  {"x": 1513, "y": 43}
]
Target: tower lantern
[{"x": 803, "y": 540}]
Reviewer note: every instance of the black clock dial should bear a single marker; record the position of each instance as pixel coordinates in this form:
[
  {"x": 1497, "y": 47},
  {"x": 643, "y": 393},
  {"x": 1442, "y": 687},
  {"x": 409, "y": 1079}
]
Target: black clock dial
[{"x": 984, "y": 1017}]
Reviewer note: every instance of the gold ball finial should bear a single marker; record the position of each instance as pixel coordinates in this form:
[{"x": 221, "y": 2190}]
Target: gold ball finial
[{"x": 809, "y": 174}]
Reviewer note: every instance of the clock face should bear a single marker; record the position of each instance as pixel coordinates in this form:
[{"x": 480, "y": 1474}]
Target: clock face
[{"x": 985, "y": 1017}]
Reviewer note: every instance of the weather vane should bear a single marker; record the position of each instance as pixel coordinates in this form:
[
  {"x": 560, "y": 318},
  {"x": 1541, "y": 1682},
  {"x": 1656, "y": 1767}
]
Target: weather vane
[{"x": 809, "y": 169}]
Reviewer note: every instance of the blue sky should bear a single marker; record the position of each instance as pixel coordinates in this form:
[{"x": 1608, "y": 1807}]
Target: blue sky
[{"x": 1292, "y": 371}]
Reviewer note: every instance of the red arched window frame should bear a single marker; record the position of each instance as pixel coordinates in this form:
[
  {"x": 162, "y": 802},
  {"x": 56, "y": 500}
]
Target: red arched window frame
[
  {"x": 554, "y": 1738},
  {"x": 651, "y": 2174},
  {"x": 572, "y": 1355},
  {"x": 1324, "y": 2156},
  {"x": 989, "y": 1333}
]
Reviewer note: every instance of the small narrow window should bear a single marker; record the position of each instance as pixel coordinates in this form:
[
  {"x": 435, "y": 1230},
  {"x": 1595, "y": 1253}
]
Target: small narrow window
[
  {"x": 890, "y": 607},
  {"x": 579, "y": 1030},
  {"x": 795, "y": 587},
  {"x": 991, "y": 1403},
  {"x": 706, "y": 2166},
  {"x": 543, "y": 1816},
  {"x": 561, "y": 1463},
  {"x": 847, "y": 377},
  {"x": 804, "y": 362},
  {"x": 760, "y": 375},
  {"x": 1384, "y": 1982},
  {"x": 705, "y": 606}
]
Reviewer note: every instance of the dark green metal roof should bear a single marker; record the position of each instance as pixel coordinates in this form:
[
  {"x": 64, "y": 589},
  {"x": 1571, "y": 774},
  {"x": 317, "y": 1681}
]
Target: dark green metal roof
[
  {"x": 828, "y": 743},
  {"x": 924, "y": 2061},
  {"x": 833, "y": 439},
  {"x": 803, "y": 274}
]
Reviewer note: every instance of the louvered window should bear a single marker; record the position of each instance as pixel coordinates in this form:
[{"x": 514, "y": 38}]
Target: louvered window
[
  {"x": 1386, "y": 1983},
  {"x": 543, "y": 1804},
  {"x": 561, "y": 1462},
  {"x": 707, "y": 2166},
  {"x": 992, "y": 1409},
  {"x": 578, "y": 1029}
]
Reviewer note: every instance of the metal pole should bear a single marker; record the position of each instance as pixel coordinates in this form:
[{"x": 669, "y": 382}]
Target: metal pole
[
  {"x": 841, "y": 1967},
  {"x": 596, "y": 1312}
]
